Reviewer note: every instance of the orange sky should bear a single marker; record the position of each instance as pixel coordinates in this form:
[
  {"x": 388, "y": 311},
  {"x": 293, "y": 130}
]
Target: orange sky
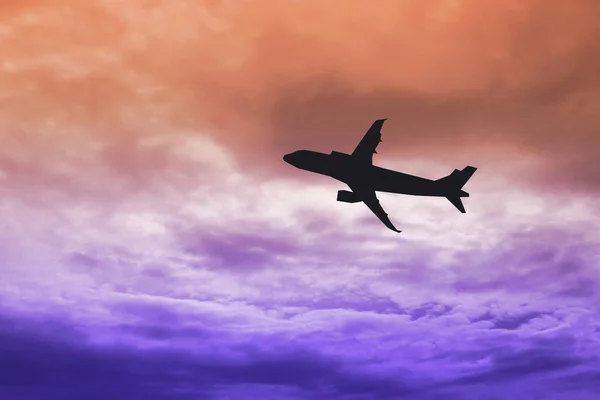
[{"x": 90, "y": 84}]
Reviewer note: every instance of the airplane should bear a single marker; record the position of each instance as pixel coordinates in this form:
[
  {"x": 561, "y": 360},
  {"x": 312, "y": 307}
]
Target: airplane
[{"x": 364, "y": 179}]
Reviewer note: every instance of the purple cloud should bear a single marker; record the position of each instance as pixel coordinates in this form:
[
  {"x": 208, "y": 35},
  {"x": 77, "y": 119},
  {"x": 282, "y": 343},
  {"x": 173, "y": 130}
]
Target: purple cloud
[
  {"x": 46, "y": 357},
  {"x": 57, "y": 366},
  {"x": 146, "y": 300}
]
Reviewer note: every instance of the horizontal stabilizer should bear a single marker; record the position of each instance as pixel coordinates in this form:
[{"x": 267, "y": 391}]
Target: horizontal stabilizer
[
  {"x": 457, "y": 202},
  {"x": 346, "y": 196},
  {"x": 453, "y": 183}
]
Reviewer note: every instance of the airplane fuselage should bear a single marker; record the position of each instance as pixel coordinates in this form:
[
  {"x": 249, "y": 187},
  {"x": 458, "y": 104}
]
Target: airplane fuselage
[
  {"x": 347, "y": 169},
  {"x": 365, "y": 179}
]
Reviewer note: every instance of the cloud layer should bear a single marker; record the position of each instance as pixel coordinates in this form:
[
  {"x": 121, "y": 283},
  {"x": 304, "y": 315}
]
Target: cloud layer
[
  {"x": 226, "y": 291},
  {"x": 458, "y": 79},
  {"x": 154, "y": 245}
]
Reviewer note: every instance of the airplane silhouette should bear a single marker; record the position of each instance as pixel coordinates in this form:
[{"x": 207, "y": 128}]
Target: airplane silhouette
[{"x": 364, "y": 179}]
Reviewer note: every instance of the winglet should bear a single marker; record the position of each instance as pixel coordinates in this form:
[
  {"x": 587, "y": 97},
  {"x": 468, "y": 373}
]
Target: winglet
[
  {"x": 386, "y": 221},
  {"x": 391, "y": 226},
  {"x": 378, "y": 124}
]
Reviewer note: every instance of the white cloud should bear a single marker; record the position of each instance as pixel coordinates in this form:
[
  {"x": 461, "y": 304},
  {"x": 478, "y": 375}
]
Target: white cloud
[{"x": 134, "y": 245}]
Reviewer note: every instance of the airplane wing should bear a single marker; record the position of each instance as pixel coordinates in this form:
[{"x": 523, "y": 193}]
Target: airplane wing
[
  {"x": 366, "y": 148},
  {"x": 375, "y": 206},
  {"x": 370, "y": 199}
]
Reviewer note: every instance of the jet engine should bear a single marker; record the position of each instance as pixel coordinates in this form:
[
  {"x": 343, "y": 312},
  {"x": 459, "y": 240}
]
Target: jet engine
[{"x": 347, "y": 196}]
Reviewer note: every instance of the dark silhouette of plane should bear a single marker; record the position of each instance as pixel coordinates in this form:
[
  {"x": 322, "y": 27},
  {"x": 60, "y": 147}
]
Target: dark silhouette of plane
[{"x": 364, "y": 179}]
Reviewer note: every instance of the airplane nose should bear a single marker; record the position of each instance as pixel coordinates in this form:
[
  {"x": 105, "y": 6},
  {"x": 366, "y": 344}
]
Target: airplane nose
[{"x": 286, "y": 158}]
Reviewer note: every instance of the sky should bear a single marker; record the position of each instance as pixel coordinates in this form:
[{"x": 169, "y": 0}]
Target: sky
[{"x": 154, "y": 245}]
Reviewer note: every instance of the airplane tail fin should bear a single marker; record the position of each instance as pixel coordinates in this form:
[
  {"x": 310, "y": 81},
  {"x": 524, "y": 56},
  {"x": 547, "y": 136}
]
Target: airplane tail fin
[{"x": 454, "y": 183}]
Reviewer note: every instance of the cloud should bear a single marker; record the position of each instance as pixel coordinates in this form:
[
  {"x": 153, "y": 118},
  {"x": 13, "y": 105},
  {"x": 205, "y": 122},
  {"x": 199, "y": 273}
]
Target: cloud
[
  {"x": 65, "y": 367},
  {"x": 163, "y": 285},
  {"x": 510, "y": 321},
  {"x": 528, "y": 262},
  {"x": 158, "y": 353},
  {"x": 541, "y": 357},
  {"x": 242, "y": 239},
  {"x": 518, "y": 78}
]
